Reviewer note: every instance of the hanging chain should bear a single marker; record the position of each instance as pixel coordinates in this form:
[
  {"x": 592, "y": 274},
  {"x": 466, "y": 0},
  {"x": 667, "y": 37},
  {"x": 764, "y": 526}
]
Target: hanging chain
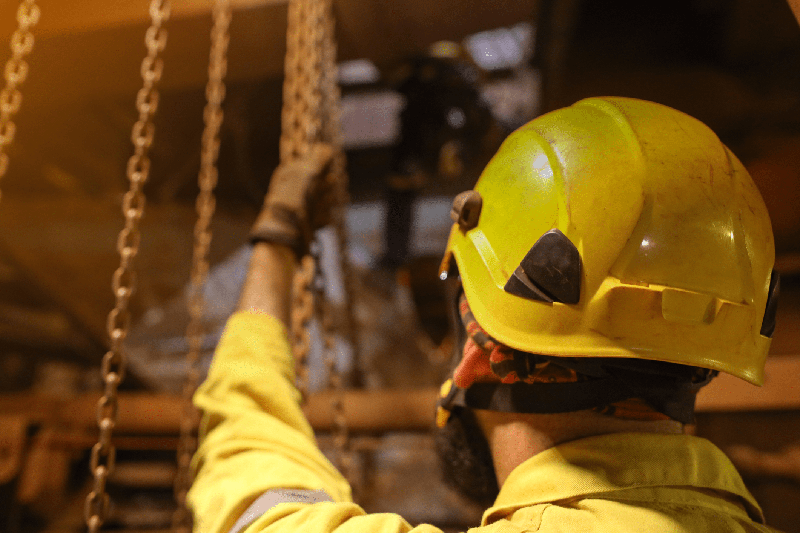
[
  {"x": 15, "y": 73},
  {"x": 331, "y": 130},
  {"x": 311, "y": 114},
  {"x": 124, "y": 280},
  {"x": 206, "y": 204},
  {"x": 301, "y": 118},
  {"x": 300, "y": 128},
  {"x": 341, "y": 434},
  {"x": 302, "y": 312}
]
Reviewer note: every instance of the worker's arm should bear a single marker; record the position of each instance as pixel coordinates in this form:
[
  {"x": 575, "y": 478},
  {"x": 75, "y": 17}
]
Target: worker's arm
[
  {"x": 295, "y": 206},
  {"x": 268, "y": 285},
  {"x": 258, "y": 465}
]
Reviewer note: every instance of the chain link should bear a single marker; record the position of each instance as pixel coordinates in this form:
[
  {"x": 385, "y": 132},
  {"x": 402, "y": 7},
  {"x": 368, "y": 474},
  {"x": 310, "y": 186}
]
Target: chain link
[
  {"x": 341, "y": 436},
  {"x": 311, "y": 113},
  {"x": 301, "y": 117},
  {"x": 331, "y": 131},
  {"x": 123, "y": 282},
  {"x": 206, "y": 204},
  {"x": 15, "y": 73},
  {"x": 302, "y": 312}
]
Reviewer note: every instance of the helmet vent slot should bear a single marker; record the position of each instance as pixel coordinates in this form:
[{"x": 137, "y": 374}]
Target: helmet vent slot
[
  {"x": 768, "y": 324},
  {"x": 549, "y": 272}
]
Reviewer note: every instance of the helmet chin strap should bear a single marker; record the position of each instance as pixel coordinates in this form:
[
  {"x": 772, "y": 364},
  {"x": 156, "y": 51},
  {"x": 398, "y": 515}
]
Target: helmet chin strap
[
  {"x": 491, "y": 376},
  {"x": 668, "y": 394},
  {"x": 538, "y": 398}
]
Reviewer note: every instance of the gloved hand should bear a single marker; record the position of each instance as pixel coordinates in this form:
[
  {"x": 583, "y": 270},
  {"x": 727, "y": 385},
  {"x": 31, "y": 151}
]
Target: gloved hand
[{"x": 294, "y": 206}]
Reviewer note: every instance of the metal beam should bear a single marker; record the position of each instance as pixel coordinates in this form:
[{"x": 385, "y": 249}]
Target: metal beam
[{"x": 383, "y": 410}]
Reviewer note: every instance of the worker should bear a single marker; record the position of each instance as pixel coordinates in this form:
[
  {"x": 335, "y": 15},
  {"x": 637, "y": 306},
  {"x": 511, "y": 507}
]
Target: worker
[{"x": 613, "y": 257}]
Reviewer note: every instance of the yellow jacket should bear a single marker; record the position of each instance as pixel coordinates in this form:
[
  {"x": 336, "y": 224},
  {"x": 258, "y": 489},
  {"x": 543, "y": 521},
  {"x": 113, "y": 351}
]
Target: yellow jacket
[{"x": 255, "y": 443}]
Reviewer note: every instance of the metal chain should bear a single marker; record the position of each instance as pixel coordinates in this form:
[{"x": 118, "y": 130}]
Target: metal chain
[
  {"x": 301, "y": 118},
  {"x": 310, "y": 114},
  {"x": 331, "y": 131},
  {"x": 302, "y": 312},
  {"x": 124, "y": 280},
  {"x": 330, "y": 108},
  {"x": 16, "y": 71},
  {"x": 341, "y": 434},
  {"x": 300, "y": 127},
  {"x": 205, "y": 205}
]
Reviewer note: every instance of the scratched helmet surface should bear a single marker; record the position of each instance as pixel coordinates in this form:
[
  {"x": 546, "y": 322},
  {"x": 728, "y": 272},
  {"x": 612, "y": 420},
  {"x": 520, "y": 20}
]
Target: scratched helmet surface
[{"x": 619, "y": 228}]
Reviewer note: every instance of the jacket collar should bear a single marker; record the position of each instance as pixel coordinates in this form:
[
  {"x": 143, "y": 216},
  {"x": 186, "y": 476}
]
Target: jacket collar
[{"x": 629, "y": 466}]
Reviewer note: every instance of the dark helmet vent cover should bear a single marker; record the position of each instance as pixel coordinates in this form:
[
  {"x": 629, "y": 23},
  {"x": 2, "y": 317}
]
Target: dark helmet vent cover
[
  {"x": 550, "y": 271},
  {"x": 768, "y": 324}
]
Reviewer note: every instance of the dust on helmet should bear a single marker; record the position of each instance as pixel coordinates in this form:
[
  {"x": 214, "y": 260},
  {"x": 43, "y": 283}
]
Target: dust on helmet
[{"x": 619, "y": 228}]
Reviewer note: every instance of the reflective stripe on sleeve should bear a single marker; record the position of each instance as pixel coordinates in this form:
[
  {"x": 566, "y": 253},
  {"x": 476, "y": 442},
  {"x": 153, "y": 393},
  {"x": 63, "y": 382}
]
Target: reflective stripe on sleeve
[{"x": 271, "y": 498}]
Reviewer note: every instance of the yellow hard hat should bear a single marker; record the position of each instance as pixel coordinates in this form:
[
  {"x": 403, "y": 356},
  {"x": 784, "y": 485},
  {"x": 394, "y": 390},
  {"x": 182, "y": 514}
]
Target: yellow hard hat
[{"x": 619, "y": 228}]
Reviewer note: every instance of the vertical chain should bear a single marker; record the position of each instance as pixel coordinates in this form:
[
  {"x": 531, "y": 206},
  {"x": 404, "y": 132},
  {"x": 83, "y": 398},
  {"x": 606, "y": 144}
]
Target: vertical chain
[
  {"x": 16, "y": 71},
  {"x": 124, "y": 280},
  {"x": 341, "y": 434},
  {"x": 205, "y": 205},
  {"x": 300, "y": 127},
  {"x": 330, "y": 115},
  {"x": 331, "y": 131},
  {"x": 301, "y": 112},
  {"x": 310, "y": 114},
  {"x": 302, "y": 312}
]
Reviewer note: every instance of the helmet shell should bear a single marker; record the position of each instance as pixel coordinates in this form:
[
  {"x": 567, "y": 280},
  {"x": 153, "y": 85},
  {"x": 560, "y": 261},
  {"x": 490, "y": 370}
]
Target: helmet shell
[{"x": 675, "y": 241}]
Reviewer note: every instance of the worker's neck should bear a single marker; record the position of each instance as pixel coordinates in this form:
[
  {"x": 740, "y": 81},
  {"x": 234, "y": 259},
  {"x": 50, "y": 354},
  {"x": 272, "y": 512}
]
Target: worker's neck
[{"x": 514, "y": 438}]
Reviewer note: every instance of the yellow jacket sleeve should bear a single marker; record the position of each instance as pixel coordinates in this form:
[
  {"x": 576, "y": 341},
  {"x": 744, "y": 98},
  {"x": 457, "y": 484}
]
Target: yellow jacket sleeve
[{"x": 254, "y": 438}]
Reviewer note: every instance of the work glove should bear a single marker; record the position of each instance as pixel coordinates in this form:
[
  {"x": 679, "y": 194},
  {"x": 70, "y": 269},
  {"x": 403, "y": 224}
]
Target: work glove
[{"x": 298, "y": 201}]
